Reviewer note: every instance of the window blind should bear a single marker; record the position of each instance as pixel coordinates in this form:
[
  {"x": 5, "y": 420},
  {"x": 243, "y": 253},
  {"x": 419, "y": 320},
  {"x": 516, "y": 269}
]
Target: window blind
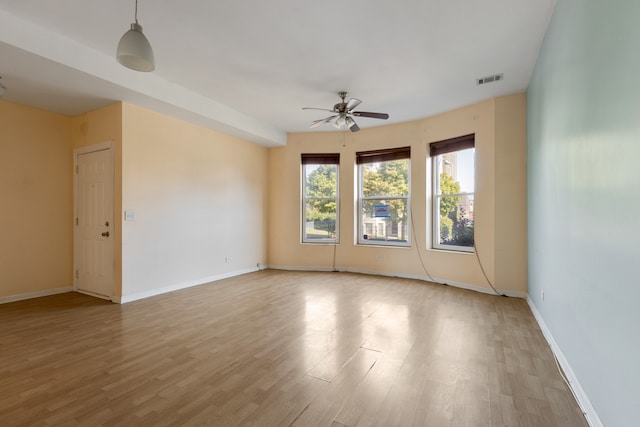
[
  {"x": 383, "y": 155},
  {"x": 321, "y": 159},
  {"x": 451, "y": 145}
]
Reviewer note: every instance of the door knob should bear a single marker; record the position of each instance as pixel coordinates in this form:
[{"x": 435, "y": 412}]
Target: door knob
[{"x": 105, "y": 234}]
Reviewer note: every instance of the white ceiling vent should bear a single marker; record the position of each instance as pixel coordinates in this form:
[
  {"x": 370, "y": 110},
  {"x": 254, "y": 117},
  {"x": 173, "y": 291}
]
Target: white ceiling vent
[{"x": 490, "y": 79}]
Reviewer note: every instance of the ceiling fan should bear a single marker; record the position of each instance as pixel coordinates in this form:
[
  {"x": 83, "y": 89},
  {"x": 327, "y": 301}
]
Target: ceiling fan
[{"x": 343, "y": 112}]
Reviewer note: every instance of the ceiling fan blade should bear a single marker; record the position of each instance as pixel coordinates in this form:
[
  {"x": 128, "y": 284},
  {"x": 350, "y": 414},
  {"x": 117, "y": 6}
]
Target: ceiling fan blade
[
  {"x": 324, "y": 120},
  {"x": 353, "y": 103},
  {"x": 371, "y": 115},
  {"x": 321, "y": 109},
  {"x": 317, "y": 123},
  {"x": 351, "y": 124}
]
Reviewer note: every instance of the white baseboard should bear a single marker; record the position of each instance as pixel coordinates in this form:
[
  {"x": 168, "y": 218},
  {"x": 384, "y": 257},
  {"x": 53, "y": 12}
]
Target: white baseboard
[
  {"x": 453, "y": 283},
  {"x": 578, "y": 392},
  {"x": 37, "y": 294},
  {"x": 482, "y": 289},
  {"x": 92, "y": 294},
  {"x": 153, "y": 292},
  {"x": 299, "y": 268}
]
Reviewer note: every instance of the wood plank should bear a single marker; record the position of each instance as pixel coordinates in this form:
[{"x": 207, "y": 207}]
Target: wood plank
[{"x": 281, "y": 348}]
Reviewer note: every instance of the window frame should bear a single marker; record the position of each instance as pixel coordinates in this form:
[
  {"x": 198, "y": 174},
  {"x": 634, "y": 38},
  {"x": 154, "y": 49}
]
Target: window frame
[
  {"x": 318, "y": 159},
  {"x": 436, "y": 149},
  {"x": 378, "y": 156}
]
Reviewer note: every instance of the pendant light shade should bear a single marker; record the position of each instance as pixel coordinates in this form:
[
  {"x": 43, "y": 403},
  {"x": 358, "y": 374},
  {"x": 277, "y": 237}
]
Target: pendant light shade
[{"x": 134, "y": 50}]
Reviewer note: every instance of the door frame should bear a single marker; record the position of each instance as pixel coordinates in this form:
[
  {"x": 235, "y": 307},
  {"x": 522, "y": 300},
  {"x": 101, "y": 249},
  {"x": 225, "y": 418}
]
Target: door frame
[{"x": 102, "y": 146}]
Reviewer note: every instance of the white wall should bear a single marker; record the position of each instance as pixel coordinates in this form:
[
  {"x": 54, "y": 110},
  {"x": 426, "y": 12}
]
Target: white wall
[
  {"x": 199, "y": 199},
  {"x": 584, "y": 198}
]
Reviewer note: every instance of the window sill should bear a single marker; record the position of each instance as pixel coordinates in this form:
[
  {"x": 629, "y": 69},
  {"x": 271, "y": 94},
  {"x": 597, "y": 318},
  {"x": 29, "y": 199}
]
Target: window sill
[
  {"x": 382, "y": 245},
  {"x": 321, "y": 242},
  {"x": 452, "y": 251}
]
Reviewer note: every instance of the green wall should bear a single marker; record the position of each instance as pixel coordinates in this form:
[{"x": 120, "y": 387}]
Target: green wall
[{"x": 583, "y": 119}]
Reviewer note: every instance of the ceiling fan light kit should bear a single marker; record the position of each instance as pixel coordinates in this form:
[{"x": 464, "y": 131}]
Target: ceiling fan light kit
[
  {"x": 134, "y": 50},
  {"x": 340, "y": 122},
  {"x": 343, "y": 112}
]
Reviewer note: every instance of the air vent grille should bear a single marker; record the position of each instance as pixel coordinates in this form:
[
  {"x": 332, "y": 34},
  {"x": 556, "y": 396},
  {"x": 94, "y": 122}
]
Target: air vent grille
[{"x": 490, "y": 79}]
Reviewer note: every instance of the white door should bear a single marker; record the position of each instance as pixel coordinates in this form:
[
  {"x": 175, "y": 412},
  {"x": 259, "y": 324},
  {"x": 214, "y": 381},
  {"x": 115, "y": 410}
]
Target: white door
[{"x": 94, "y": 223}]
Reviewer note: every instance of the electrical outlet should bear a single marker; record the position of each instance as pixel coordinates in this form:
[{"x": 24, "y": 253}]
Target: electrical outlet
[
  {"x": 228, "y": 259},
  {"x": 380, "y": 257}
]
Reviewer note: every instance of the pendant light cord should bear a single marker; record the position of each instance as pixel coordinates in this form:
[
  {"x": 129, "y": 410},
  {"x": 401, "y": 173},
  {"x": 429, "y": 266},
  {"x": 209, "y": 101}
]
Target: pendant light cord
[{"x": 136, "y": 13}]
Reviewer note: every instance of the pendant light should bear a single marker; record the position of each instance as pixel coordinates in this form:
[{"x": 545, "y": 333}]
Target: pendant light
[{"x": 134, "y": 50}]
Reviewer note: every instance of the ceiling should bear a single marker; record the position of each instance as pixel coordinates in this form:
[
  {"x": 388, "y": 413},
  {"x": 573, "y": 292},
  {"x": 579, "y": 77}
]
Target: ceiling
[{"x": 247, "y": 67}]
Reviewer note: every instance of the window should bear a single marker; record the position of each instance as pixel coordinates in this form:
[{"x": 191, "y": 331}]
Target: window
[
  {"x": 383, "y": 197},
  {"x": 453, "y": 193},
  {"x": 320, "y": 198}
]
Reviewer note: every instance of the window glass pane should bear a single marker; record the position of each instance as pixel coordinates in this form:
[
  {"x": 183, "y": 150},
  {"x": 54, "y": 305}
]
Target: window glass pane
[
  {"x": 454, "y": 199},
  {"x": 384, "y": 201},
  {"x": 465, "y": 170},
  {"x": 320, "y": 202},
  {"x": 385, "y": 220},
  {"x": 458, "y": 171},
  {"x": 456, "y": 220},
  {"x": 385, "y": 178},
  {"x": 320, "y": 220},
  {"x": 321, "y": 180}
]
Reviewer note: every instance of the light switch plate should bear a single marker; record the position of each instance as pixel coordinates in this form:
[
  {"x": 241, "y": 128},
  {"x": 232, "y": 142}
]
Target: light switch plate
[{"x": 129, "y": 215}]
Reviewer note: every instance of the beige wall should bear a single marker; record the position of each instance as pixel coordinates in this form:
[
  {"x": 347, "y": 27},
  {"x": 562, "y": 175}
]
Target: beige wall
[
  {"x": 95, "y": 127},
  {"x": 496, "y": 140},
  {"x": 209, "y": 205},
  {"x": 200, "y": 200},
  {"x": 511, "y": 192},
  {"x": 36, "y": 201}
]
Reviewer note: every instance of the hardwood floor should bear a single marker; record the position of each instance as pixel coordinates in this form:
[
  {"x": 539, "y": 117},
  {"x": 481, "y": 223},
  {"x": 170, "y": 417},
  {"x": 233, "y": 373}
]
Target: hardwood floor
[{"x": 278, "y": 348}]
